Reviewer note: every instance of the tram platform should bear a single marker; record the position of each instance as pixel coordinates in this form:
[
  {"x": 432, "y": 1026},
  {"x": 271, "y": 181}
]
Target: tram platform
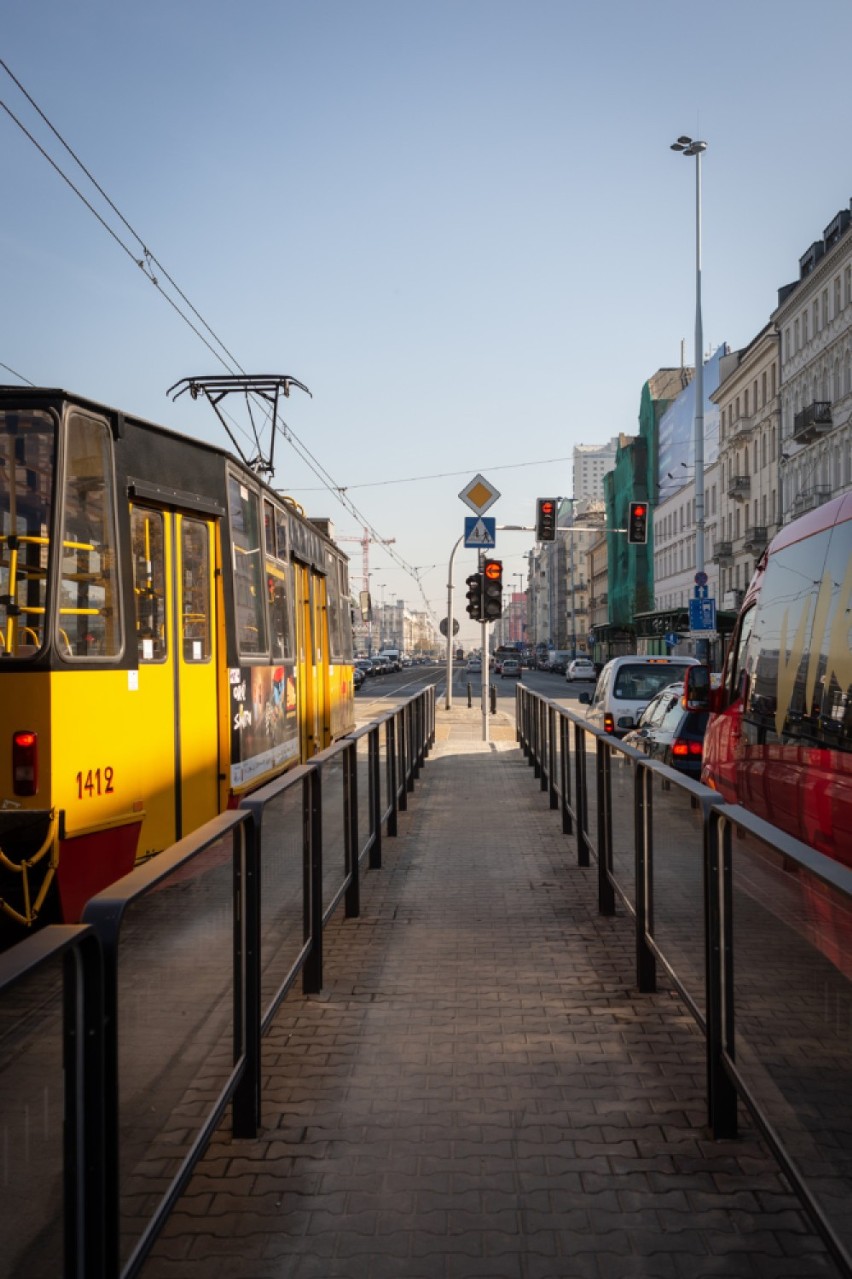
[{"x": 480, "y": 1090}]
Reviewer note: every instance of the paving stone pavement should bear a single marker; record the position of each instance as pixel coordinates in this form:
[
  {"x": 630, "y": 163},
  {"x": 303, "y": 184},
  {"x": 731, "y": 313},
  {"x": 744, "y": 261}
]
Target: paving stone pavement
[{"x": 479, "y": 1090}]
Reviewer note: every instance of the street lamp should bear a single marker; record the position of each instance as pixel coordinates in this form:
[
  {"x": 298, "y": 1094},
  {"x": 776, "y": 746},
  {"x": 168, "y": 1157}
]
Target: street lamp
[{"x": 694, "y": 147}]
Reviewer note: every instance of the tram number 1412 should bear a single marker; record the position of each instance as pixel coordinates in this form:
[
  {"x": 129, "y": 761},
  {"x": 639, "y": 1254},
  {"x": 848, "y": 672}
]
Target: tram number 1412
[{"x": 96, "y": 782}]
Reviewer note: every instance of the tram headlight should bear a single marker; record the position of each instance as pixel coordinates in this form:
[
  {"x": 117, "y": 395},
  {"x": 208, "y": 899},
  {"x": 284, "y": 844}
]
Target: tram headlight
[{"x": 25, "y": 762}]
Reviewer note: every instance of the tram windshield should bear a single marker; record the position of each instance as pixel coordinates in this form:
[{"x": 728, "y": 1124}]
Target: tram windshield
[
  {"x": 87, "y": 621},
  {"x": 27, "y": 468}
]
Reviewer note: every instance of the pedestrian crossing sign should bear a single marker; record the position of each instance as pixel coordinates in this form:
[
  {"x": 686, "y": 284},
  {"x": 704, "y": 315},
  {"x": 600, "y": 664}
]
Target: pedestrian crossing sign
[{"x": 480, "y": 532}]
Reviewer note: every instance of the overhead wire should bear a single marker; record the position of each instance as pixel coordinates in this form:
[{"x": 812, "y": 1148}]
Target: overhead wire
[{"x": 145, "y": 265}]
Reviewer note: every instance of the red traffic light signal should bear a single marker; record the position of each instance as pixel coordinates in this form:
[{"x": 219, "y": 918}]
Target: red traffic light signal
[
  {"x": 637, "y": 523},
  {"x": 545, "y": 519}
]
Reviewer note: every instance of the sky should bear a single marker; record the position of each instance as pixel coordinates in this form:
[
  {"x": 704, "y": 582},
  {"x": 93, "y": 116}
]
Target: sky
[{"x": 458, "y": 222}]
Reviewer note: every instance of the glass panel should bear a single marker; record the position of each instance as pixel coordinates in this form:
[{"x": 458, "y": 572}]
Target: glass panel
[
  {"x": 195, "y": 590},
  {"x": 677, "y": 883},
  {"x": 621, "y": 782},
  {"x": 333, "y": 844},
  {"x": 149, "y": 583},
  {"x": 793, "y": 1002},
  {"x": 248, "y": 569},
  {"x": 176, "y": 1025},
  {"x": 27, "y": 461},
  {"x": 88, "y": 624},
  {"x": 32, "y": 1112},
  {"x": 282, "y": 887},
  {"x": 363, "y": 773}
]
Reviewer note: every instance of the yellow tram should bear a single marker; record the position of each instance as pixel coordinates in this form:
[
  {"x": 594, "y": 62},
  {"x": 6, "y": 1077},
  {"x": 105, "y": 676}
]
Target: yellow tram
[{"x": 173, "y": 634}]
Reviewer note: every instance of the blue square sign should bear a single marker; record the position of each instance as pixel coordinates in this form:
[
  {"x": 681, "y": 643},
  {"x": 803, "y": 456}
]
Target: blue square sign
[{"x": 702, "y": 615}]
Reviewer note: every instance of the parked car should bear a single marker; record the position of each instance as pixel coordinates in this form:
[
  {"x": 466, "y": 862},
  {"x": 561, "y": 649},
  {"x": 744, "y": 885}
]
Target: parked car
[
  {"x": 581, "y": 668},
  {"x": 511, "y": 667},
  {"x": 358, "y": 676},
  {"x": 670, "y": 733},
  {"x": 625, "y": 687}
]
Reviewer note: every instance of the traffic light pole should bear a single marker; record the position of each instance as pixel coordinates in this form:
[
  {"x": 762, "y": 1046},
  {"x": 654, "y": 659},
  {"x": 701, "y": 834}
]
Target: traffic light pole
[{"x": 484, "y": 651}]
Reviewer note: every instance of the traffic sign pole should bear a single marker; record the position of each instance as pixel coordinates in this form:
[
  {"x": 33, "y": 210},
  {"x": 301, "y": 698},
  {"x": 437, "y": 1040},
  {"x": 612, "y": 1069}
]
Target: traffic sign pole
[{"x": 485, "y": 664}]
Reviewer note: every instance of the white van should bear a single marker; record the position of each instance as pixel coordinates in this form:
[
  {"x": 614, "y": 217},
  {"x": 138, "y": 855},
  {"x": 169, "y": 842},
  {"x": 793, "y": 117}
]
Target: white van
[{"x": 625, "y": 687}]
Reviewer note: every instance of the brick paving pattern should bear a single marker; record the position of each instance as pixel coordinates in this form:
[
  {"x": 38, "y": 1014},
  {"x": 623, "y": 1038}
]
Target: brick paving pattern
[{"x": 479, "y": 1091}]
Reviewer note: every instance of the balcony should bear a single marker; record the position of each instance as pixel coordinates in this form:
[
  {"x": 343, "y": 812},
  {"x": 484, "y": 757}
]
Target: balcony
[
  {"x": 812, "y": 422},
  {"x": 741, "y": 430},
  {"x": 810, "y": 498},
  {"x": 724, "y": 553},
  {"x": 755, "y": 539},
  {"x": 740, "y": 486}
]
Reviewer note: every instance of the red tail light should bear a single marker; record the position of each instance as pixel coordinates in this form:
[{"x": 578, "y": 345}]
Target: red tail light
[
  {"x": 609, "y": 724},
  {"x": 681, "y": 748},
  {"x": 25, "y": 763}
]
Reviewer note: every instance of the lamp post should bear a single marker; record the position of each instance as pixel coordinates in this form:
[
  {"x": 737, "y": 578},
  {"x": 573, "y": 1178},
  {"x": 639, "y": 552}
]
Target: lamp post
[{"x": 693, "y": 147}]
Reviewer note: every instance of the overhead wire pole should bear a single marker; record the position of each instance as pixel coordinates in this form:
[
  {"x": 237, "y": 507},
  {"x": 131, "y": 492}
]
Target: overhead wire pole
[{"x": 449, "y": 698}]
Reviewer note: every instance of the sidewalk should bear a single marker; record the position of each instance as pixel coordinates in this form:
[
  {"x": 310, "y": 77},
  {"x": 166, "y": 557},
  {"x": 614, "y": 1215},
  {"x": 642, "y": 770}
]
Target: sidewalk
[{"x": 479, "y": 1090}]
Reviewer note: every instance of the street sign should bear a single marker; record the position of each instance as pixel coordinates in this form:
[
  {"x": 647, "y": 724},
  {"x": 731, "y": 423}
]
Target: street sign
[
  {"x": 702, "y": 615},
  {"x": 479, "y": 495},
  {"x": 480, "y": 532},
  {"x": 701, "y": 579},
  {"x": 442, "y": 626},
  {"x": 672, "y": 638}
]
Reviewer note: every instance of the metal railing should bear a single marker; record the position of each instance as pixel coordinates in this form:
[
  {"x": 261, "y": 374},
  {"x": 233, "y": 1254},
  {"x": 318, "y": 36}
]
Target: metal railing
[
  {"x": 753, "y": 928},
  {"x": 157, "y": 1004}
]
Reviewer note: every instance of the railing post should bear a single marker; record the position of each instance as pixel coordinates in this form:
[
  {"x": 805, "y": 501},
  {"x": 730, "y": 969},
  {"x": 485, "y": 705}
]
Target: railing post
[
  {"x": 721, "y": 1093},
  {"x": 312, "y": 827},
  {"x": 646, "y": 964},
  {"x": 406, "y": 775}
]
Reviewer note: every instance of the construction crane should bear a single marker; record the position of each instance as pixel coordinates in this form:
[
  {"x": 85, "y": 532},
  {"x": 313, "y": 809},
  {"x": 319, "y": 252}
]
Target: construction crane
[{"x": 365, "y": 541}]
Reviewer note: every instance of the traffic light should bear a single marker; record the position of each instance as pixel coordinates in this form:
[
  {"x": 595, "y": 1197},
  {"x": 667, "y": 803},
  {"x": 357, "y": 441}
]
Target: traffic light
[
  {"x": 545, "y": 519},
  {"x": 474, "y": 597},
  {"x": 637, "y": 523},
  {"x": 492, "y": 590}
]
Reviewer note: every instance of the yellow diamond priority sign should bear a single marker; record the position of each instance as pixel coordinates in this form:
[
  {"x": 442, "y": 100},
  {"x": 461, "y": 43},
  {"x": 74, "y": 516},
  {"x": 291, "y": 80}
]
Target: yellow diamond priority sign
[{"x": 479, "y": 495}]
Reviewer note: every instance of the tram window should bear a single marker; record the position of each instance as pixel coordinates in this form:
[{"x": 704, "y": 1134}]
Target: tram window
[
  {"x": 250, "y": 604},
  {"x": 149, "y": 583},
  {"x": 27, "y": 453},
  {"x": 195, "y": 591},
  {"x": 88, "y": 623},
  {"x": 281, "y": 532},
  {"x": 332, "y": 603},
  {"x": 269, "y": 528},
  {"x": 278, "y": 595}
]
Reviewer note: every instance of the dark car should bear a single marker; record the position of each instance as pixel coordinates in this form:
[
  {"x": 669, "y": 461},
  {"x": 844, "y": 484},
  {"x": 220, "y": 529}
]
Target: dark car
[{"x": 670, "y": 734}]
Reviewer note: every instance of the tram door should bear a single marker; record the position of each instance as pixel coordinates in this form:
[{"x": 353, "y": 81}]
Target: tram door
[
  {"x": 177, "y": 722},
  {"x": 305, "y": 673}
]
